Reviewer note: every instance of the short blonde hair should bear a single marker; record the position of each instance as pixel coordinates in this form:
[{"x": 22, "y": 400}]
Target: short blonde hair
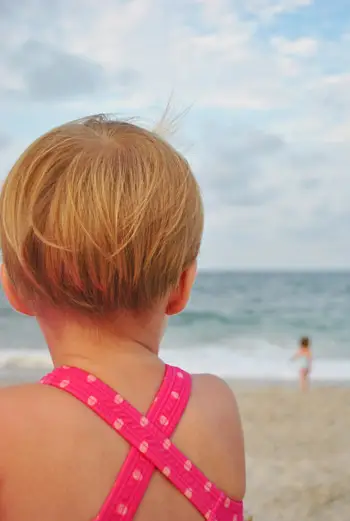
[{"x": 99, "y": 215}]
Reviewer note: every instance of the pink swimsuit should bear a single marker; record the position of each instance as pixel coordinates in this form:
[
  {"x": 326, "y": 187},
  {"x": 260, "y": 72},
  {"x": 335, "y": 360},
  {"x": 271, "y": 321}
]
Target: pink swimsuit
[{"x": 151, "y": 447}]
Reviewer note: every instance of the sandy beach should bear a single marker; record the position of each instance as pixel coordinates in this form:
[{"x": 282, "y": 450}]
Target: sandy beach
[{"x": 298, "y": 452}]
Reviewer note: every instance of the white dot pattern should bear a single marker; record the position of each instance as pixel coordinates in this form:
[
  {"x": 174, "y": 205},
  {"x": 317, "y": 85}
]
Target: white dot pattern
[
  {"x": 118, "y": 424},
  {"x": 166, "y": 471},
  {"x": 188, "y": 493},
  {"x": 92, "y": 400},
  {"x": 144, "y": 421},
  {"x": 207, "y": 486},
  {"x": 143, "y": 447},
  {"x": 187, "y": 465},
  {"x": 166, "y": 444},
  {"x": 137, "y": 475},
  {"x": 118, "y": 399},
  {"x": 122, "y": 510}
]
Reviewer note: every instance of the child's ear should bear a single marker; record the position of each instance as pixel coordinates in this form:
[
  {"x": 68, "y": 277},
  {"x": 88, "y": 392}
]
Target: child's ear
[
  {"x": 180, "y": 296},
  {"x": 12, "y": 296}
]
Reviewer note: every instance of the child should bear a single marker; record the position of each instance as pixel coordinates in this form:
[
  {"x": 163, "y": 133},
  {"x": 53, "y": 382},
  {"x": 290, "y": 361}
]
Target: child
[
  {"x": 304, "y": 356},
  {"x": 100, "y": 226}
]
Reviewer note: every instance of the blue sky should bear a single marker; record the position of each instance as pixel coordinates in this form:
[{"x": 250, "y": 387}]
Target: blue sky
[{"x": 268, "y": 82}]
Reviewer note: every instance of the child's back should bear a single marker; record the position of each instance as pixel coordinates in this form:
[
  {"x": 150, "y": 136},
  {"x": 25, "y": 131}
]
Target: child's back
[{"x": 100, "y": 226}]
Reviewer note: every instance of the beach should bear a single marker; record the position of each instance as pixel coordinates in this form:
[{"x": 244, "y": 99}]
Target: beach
[{"x": 297, "y": 452}]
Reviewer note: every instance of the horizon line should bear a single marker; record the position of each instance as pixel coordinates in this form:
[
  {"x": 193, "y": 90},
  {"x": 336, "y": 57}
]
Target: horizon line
[{"x": 274, "y": 270}]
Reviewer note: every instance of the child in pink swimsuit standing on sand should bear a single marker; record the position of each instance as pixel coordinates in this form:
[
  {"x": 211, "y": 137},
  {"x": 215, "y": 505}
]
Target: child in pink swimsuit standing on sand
[{"x": 100, "y": 225}]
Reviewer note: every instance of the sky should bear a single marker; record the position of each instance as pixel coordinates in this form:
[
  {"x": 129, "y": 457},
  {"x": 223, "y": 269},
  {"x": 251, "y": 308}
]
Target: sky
[{"x": 264, "y": 89}]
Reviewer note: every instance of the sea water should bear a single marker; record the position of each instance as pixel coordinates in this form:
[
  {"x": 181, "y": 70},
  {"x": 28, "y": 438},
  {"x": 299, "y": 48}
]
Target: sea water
[{"x": 238, "y": 325}]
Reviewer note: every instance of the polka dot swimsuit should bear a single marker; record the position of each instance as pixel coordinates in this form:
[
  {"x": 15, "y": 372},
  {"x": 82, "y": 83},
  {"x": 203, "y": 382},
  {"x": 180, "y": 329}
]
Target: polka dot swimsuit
[{"x": 150, "y": 442}]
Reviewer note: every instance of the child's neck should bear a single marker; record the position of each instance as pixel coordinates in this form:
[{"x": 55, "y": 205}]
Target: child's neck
[{"x": 100, "y": 347}]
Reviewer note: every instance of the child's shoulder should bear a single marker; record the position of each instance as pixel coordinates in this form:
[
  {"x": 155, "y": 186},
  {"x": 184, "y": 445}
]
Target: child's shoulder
[
  {"x": 20, "y": 408},
  {"x": 17, "y": 404},
  {"x": 18, "y": 395},
  {"x": 215, "y": 391},
  {"x": 215, "y": 398},
  {"x": 216, "y": 404}
]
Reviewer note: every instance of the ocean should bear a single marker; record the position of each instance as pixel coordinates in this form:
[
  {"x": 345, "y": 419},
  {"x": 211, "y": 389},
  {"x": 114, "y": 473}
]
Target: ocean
[{"x": 238, "y": 325}]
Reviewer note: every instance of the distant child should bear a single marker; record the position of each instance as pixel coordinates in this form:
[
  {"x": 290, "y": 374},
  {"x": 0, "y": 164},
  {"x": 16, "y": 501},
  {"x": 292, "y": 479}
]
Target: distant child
[
  {"x": 304, "y": 357},
  {"x": 100, "y": 225}
]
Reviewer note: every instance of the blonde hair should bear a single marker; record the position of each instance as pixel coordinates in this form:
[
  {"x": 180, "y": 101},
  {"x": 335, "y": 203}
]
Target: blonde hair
[{"x": 99, "y": 215}]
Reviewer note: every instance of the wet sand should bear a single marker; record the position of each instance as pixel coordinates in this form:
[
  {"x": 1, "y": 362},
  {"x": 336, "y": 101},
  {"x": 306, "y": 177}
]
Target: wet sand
[{"x": 297, "y": 452}]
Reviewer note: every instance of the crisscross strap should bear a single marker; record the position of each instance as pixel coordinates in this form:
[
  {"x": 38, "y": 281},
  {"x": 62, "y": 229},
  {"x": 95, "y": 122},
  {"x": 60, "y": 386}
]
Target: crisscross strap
[
  {"x": 133, "y": 478},
  {"x": 151, "y": 446}
]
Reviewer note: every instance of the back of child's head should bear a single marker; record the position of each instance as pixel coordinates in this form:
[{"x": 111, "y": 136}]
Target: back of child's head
[
  {"x": 305, "y": 342},
  {"x": 99, "y": 216}
]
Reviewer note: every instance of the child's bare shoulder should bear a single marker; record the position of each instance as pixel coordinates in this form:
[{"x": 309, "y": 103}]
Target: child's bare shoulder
[
  {"x": 216, "y": 399},
  {"x": 217, "y": 405},
  {"x": 19, "y": 406},
  {"x": 14, "y": 403},
  {"x": 19, "y": 395},
  {"x": 217, "y": 392}
]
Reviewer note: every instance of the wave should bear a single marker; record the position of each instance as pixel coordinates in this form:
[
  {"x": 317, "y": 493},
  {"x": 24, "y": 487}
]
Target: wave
[
  {"x": 188, "y": 318},
  {"x": 25, "y": 359},
  {"x": 270, "y": 364},
  {"x": 266, "y": 362},
  {"x": 6, "y": 312}
]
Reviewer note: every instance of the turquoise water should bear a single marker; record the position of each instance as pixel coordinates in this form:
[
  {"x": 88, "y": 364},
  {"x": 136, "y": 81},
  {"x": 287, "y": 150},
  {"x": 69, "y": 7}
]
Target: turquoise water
[{"x": 244, "y": 325}]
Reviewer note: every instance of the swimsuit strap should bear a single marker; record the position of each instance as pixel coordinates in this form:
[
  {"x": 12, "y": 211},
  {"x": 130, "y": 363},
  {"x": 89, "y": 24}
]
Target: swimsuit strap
[
  {"x": 151, "y": 447},
  {"x": 136, "y": 472}
]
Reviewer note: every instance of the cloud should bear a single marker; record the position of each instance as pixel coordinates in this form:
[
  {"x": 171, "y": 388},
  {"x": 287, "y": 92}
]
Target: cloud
[
  {"x": 48, "y": 73},
  {"x": 277, "y": 198},
  {"x": 268, "y": 9},
  {"x": 4, "y": 141},
  {"x": 234, "y": 169},
  {"x": 269, "y": 128},
  {"x": 303, "y": 47},
  {"x": 214, "y": 61}
]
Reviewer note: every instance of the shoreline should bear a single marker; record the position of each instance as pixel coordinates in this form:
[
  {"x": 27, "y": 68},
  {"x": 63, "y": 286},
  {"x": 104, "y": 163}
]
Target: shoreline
[
  {"x": 20, "y": 376},
  {"x": 256, "y": 384}
]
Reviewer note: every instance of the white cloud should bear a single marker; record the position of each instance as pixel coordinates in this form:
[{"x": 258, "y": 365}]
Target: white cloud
[
  {"x": 269, "y": 129},
  {"x": 152, "y": 38},
  {"x": 268, "y": 9},
  {"x": 303, "y": 47}
]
